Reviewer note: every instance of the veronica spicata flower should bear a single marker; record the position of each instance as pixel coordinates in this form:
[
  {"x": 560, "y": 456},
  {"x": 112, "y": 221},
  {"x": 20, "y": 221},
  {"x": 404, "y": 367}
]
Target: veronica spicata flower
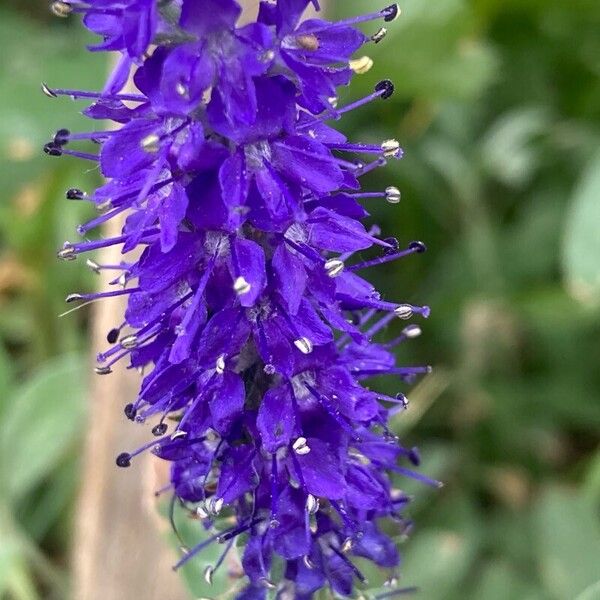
[{"x": 246, "y": 308}]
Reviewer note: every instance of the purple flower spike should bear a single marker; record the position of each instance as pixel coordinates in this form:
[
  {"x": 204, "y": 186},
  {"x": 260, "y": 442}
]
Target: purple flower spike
[{"x": 246, "y": 308}]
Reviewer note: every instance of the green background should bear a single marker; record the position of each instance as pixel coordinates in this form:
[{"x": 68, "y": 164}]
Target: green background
[{"x": 497, "y": 106}]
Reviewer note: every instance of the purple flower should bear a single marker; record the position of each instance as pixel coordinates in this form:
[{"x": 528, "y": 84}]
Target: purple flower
[{"x": 246, "y": 309}]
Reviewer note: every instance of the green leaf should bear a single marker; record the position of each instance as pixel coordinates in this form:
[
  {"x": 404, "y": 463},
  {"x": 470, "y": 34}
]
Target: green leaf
[
  {"x": 41, "y": 423},
  {"x": 581, "y": 251},
  {"x": 568, "y": 543}
]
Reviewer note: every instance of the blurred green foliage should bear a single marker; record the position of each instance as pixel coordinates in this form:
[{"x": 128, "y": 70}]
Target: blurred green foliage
[{"x": 497, "y": 105}]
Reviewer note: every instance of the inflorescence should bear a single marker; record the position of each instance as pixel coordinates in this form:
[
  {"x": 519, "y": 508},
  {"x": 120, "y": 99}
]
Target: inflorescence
[{"x": 245, "y": 308}]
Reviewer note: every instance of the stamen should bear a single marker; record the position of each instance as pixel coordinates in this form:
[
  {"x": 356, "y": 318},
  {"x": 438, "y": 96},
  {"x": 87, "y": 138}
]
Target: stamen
[
  {"x": 361, "y": 65},
  {"x": 61, "y": 9},
  {"x": 129, "y": 342},
  {"x": 241, "y": 286},
  {"x": 391, "y": 149},
  {"x": 130, "y": 412},
  {"x": 413, "y": 248},
  {"x": 304, "y": 345},
  {"x": 123, "y": 460},
  {"x": 414, "y": 475},
  {"x": 393, "y": 194},
  {"x": 379, "y": 35},
  {"x": 151, "y": 143},
  {"x": 53, "y": 149},
  {"x": 301, "y": 447},
  {"x": 102, "y": 370},
  {"x": 334, "y": 267},
  {"x": 75, "y": 194},
  {"x": 390, "y": 13},
  {"x": 312, "y": 504},
  {"x": 400, "y": 398},
  {"x": 404, "y": 311},
  {"x": 83, "y": 94},
  {"x": 408, "y": 333},
  {"x": 308, "y": 41},
  {"x": 386, "y": 88},
  {"x": 204, "y": 544},
  {"x": 112, "y": 294},
  {"x": 67, "y": 252},
  {"x": 160, "y": 429}
]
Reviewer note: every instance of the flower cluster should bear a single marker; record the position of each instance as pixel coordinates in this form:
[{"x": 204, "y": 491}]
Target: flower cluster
[{"x": 245, "y": 307}]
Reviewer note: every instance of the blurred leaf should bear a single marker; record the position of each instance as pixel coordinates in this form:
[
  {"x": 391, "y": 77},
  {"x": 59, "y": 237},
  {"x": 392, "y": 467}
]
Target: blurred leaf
[
  {"x": 568, "y": 543},
  {"x": 6, "y": 378},
  {"x": 590, "y": 593},
  {"x": 499, "y": 582},
  {"x": 436, "y": 561},
  {"x": 581, "y": 259},
  {"x": 436, "y": 53},
  {"x": 21, "y": 584},
  {"x": 9, "y": 557},
  {"x": 52, "y": 54},
  {"x": 507, "y": 149},
  {"x": 46, "y": 507},
  {"x": 42, "y": 422}
]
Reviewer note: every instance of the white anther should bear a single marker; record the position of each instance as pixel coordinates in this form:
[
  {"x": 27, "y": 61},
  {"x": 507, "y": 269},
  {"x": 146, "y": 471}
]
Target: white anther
[
  {"x": 404, "y": 311},
  {"x": 220, "y": 365},
  {"x": 390, "y": 148},
  {"x": 103, "y": 370},
  {"x": 267, "y": 583},
  {"x": 181, "y": 90},
  {"x": 61, "y": 9},
  {"x": 208, "y": 574},
  {"x": 412, "y": 331},
  {"x": 393, "y": 194},
  {"x": 312, "y": 504},
  {"x": 93, "y": 266},
  {"x": 334, "y": 267},
  {"x": 241, "y": 286},
  {"x": 377, "y": 37},
  {"x": 48, "y": 91},
  {"x": 213, "y": 506},
  {"x": 151, "y": 143},
  {"x": 67, "y": 252},
  {"x": 129, "y": 342},
  {"x": 361, "y": 65},
  {"x": 304, "y": 345},
  {"x": 301, "y": 447},
  {"x": 308, "y": 41},
  {"x": 104, "y": 207}
]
